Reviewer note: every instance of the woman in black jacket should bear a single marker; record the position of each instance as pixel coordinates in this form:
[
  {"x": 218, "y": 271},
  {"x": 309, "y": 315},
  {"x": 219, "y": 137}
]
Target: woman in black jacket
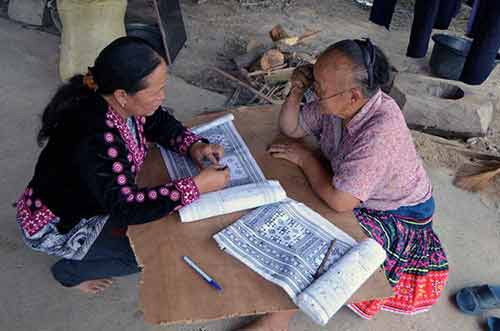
[{"x": 83, "y": 194}]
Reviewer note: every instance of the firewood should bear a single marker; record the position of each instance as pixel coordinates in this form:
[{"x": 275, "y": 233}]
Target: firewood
[
  {"x": 474, "y": 178},
  {"x": 271, "y": 58},
  {"x": 292, "y": 41},
  {"x": 277, "y": 76},
  {"x": 461, "y": 149},
  {"x": 278, "y": 33},
  {"x": 266, "y": 72},
  {"x": 245, "y": 60},
  {"x": 256, "y": 92}
]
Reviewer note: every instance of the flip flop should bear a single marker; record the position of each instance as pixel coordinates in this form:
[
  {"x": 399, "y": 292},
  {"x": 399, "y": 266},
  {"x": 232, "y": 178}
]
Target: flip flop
[
  {"x": 473, "y": 300},
  {"x": 493, "y": 323}
]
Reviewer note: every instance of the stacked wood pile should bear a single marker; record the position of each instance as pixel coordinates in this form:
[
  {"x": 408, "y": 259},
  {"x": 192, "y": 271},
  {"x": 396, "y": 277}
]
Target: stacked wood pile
[{"x": 265, "y": 69}]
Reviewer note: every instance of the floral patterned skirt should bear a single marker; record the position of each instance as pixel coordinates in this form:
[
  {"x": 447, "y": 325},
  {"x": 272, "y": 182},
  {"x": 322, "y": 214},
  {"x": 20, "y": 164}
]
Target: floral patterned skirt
[{"x": 416, "y": 264}]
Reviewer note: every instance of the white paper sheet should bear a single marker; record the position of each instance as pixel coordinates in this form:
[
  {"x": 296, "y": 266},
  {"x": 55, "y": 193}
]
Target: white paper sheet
[{"x": 248, "y": 188}]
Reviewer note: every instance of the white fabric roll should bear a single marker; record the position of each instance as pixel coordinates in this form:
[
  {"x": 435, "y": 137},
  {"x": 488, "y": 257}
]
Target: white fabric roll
[
  {"x": 324, "y": 297},
  {"x": 233, "y": 199}
]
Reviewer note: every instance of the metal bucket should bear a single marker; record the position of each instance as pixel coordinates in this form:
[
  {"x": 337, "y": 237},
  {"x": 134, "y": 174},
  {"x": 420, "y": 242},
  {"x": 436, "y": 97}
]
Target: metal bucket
[
  {"x": 150, "y": 33},
  {"x": 449, "y": 55}
]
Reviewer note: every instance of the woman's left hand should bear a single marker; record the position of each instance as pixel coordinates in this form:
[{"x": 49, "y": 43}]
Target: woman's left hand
[
  {"x": 201, "y": 151},
  {"x": 295, "y": 153}
]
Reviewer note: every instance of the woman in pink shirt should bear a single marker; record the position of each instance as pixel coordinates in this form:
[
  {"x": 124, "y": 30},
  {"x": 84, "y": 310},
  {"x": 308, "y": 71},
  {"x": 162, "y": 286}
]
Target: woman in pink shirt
[{"x": 374, "y": 170}]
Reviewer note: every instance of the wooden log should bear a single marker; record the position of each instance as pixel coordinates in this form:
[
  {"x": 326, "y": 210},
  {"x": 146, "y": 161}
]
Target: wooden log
[
  {"x": 271, "y": 58},
  {"x": 266, "y": 72},
  {"x": 245, "y": 60},
  {"x": 277, "y": 76},
  {"x": 278, "y": 33},
  {"x": 292, "y": 41},
  {"x": 258, "y": 93}
]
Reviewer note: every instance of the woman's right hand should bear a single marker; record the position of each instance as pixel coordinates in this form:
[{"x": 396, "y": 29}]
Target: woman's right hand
[
  {"x": 212, "y": 178},
  {"x": 302, "y": 77}
]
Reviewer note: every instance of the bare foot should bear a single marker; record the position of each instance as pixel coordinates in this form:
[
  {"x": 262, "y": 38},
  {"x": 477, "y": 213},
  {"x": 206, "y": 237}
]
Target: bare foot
[
  {"x": 271, "y": 322},
  {"x": 94, "y": 286}
]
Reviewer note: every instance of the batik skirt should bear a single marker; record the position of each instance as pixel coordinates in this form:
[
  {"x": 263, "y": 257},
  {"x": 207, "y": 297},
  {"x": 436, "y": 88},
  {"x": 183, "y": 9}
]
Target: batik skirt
[{"x": 416, "y": 265}]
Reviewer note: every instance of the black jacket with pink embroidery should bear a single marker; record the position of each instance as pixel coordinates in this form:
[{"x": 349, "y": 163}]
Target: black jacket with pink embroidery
[{"x": 88, "y": 168}]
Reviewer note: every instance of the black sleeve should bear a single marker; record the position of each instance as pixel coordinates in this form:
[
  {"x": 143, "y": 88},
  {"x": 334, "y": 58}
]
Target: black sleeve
[
  {"x": 106, "y": 168},
  {"x": 165, "y": 130}
]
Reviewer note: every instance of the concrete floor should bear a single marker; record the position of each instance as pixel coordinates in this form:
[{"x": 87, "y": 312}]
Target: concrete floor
[{"x": 32, "y": 300}]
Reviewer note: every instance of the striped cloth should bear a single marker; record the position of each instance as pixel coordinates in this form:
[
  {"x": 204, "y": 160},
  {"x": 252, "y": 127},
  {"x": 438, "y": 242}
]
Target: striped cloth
[{"x": 416, "y": 264}]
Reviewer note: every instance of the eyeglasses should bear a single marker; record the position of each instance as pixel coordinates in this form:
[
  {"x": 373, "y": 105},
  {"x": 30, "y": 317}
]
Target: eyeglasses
[{"x": 333, "y": 95}]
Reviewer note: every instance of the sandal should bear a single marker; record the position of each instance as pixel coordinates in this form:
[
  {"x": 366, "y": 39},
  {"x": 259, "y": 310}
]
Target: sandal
[
  {"x": 493, "y": 324},
  {"x": 473, "y": 300}
]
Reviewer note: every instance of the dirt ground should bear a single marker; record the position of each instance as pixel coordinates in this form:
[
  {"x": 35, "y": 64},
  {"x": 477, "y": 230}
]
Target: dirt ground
[{"x": 468, "y": 224}]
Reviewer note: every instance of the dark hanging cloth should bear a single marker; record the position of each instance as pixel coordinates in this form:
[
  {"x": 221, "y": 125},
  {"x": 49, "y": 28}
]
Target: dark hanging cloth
[
  {"x": 428, "y": 14},
  {"x": 382, "y": 11},
  {"x": 472, "y": 19},
  {"x": 483, "y": 53},
  {"x": 425, "y": 14},
  {"x": 446, "y": 12}
]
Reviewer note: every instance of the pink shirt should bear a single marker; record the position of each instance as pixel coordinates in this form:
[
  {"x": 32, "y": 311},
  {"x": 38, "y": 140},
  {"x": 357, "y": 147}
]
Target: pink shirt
[{"x": 373, "y": 157}]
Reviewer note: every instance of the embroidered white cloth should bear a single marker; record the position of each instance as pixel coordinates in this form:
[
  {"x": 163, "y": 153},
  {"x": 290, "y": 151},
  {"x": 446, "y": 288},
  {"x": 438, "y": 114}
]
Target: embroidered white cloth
[
  {"x": 325, "y": 296},
  {"x": 248, "y": 188},
  {"x": 286, "y": 242}
]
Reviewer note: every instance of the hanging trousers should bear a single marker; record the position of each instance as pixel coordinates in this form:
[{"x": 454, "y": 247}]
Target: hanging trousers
[
  {"x": 483, "y": 53},
  {"x": 428, "y": 14},
  {"x": 472, "y": 22}
]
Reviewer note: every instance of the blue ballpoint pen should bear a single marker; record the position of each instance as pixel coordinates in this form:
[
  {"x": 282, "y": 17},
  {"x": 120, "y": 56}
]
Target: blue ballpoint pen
[{"x": 200, "y": 272}]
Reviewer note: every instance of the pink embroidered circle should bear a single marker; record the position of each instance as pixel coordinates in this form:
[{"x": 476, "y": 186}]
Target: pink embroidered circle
[
  {"x": 29, "y": 202},
  {"x": 136, "y": 149},
  {"x": 132, "y": 168},
  {"x": 38, "y": 203},
  {"x": 130, "y": 198},
  {"x": 117, "y": 167},
  {"x": 175, "y": 195},
  {"x": 143, "y": 120},
  {"x": 125, "y": 190},
  {"x": 140, "y": 197},
  {"x": 164, "y": 191},
  {"x": 112, "y": 152},
  {"x": 121, "y": 180},
  {"x": 152, "y": 195},
  {"x": 108, "y": 137},
  {"x": 110, "y": 124}
]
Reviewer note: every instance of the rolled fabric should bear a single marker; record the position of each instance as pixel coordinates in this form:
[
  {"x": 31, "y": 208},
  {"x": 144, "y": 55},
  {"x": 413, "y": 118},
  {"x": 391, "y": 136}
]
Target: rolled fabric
[{"x": 324, "y": 297}]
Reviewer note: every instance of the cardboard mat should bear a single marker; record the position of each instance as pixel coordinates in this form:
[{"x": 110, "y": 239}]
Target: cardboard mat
[{"x": 170, "y": 292}]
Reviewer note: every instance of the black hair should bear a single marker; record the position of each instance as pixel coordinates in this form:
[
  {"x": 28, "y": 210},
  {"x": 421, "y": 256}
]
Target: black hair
[
  {"x": 376, "y": 69},
  {"x": 123, "y": 64}
]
